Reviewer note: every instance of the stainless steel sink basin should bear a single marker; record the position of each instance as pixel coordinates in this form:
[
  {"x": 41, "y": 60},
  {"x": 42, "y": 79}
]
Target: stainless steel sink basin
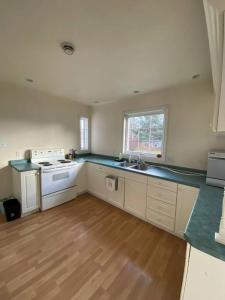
[
  {"x": 141, "y": 167},
  {"x": 135, "y": 166},
  {"x": 126, "y": 164}
]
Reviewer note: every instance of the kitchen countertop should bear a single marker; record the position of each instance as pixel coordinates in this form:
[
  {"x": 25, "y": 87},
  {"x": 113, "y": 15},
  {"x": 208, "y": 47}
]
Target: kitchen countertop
[
  {"x": 23, "y": 165},
  {"x": 205, "y": 218}
]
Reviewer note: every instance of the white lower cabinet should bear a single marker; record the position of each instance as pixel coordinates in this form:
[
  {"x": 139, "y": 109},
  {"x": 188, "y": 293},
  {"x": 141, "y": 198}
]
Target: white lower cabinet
[
  {"x": 117, "y": 197},
  {"x": 96, "y": 180},
  {"x": 163, "y": 203},
  {"x": 203, "y": 277},
  {"x": 161, "y": 220},
  {"x": 97, "y": 187},
  {"x": 186, "y": 198},
  {"x": 81, "y": 180},
  {"x": 135, "y": 195},
  {"x": 26, "y": 188},
  {"x": 169, "y": 205}
]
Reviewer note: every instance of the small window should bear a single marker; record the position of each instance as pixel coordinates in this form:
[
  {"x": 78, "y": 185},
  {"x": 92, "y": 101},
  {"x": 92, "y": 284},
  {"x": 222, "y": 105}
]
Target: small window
[
  {"x": 84, "y": 134},
  {"x": 144, "y": 133}
]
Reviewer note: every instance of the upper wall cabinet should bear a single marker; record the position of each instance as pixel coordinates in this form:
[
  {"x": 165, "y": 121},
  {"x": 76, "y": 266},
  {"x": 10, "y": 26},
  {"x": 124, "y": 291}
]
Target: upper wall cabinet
[{"x": 214, "y": 13}]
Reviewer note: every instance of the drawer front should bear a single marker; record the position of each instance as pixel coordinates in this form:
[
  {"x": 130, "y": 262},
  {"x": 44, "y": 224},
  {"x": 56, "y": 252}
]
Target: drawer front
[
  {"x": 161, "y": 220},
  {"x": 162, "y": 194},
  {"x": 115, "y": 172},
  {"x": 93, "y": 166},
  {"x": 172, "y": 186},
  {"x": 136, "y": 177},
  {"x": 161, "y": 207}
]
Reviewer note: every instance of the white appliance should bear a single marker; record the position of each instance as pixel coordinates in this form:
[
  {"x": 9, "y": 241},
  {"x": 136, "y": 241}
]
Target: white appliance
[
  {"x": 216, "y": 169},
  {"x": 58, "y": 176}
]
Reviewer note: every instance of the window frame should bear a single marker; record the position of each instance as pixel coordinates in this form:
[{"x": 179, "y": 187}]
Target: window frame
[
  {"x": 88, "y": 133},
  {"x": 148, "y": 111}
]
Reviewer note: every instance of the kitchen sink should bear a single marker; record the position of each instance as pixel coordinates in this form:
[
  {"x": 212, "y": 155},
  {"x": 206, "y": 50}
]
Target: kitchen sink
[
  {"x": 126, "y": 164},
  {"x": 135, "y": 166},
  {"x": 141, "y": 167}
]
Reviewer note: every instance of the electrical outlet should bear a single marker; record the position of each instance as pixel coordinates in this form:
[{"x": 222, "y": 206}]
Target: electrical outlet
[{"x": 18, "y": 155}]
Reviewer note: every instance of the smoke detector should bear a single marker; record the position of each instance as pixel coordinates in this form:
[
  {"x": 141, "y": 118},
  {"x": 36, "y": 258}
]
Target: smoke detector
[{"x": 68, "y": 48}]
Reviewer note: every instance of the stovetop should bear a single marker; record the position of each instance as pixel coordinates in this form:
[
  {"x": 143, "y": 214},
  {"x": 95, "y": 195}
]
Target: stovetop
[
  {"x": 50, "y": 158},
  {"x": 55, "y": 163}
]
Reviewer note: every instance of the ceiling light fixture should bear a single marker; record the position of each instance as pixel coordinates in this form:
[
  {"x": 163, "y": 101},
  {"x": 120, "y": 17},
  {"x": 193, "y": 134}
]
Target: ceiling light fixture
[{"x": 68, "y": 48}]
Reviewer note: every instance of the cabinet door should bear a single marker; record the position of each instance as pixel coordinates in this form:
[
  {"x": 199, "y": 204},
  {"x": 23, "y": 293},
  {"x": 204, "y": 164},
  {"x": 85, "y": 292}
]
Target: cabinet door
[
  {"x": 221, "y": 105},
  {"x": 30, "y": 184},
  {"x": 96, "y": 181},
  {"x": 117, "y": 197},
  {"x": 186, "y": 198},
  {"x": 205, "y": 277},
  {"x": 135, "y": 197},
  {"x": 81, "y": 180}
]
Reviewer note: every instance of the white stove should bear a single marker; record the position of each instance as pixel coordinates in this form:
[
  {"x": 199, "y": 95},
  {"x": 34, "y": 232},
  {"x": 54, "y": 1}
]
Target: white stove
[
  {"x": 58, "y": 176},
  {"x": 50, "y": 159},
  {"x": 55, "y": 164}
]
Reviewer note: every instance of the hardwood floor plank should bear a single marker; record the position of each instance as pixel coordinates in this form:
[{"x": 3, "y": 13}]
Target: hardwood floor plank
[{"x": 88, "y": 249}]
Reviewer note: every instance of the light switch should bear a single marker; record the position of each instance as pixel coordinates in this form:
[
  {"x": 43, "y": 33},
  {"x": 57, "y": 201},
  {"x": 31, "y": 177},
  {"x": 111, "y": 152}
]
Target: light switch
[
  {"x": 18, "y": 154},
  {"x": 3, "y": 145}
]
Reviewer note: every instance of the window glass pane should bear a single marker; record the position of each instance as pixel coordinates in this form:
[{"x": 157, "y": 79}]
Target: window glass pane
[
  {"x": 145, "y": 133},
  {"x": 84, "y": 133}
]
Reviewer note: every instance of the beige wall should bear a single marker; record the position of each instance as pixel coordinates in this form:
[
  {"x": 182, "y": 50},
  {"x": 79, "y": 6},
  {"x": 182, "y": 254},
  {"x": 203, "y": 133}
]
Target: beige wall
[
  {"x": 189, "y": 135},
  {"x": 31, "y": 119}
]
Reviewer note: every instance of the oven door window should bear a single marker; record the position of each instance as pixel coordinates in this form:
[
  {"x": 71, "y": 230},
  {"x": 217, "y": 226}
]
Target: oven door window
[{"x": 60, "y": 176}]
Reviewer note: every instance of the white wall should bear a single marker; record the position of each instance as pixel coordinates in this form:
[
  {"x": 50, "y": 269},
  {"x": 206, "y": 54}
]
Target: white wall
[
  {"x": 31, "y": 119},
  {"x": 189, "y": 135}
]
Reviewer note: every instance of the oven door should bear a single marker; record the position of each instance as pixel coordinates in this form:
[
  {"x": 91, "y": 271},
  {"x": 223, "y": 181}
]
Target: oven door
[{"x": 54, "y": 180}]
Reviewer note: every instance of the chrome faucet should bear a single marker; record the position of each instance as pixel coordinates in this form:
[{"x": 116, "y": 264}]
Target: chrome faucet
[
  {"x": 140, "y": 159},
  {"x": 130, "y": 159}
]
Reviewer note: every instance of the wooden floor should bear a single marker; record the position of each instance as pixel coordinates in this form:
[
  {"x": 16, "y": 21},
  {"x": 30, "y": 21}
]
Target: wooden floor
[{"x": 88, "y": 249}]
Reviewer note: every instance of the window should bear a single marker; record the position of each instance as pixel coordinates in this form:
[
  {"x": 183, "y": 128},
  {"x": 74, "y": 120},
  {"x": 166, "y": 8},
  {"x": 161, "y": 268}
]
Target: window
[
  {"x": 84, "y": 133},
  {"x": 144, "y": 133}
]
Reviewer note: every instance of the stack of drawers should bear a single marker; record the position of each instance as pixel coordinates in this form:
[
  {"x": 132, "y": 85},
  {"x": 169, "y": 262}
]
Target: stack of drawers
[{"x": 161, "y": 203}]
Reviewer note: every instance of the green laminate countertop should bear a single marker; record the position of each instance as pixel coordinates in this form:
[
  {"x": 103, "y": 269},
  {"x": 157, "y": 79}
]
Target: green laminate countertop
[
  {"x": 23, "y": 165},
  {"x": 205, "y": 218}
]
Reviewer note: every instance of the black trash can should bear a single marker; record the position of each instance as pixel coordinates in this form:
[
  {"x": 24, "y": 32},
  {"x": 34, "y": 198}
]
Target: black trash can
[{"x": 12, "y": 209}]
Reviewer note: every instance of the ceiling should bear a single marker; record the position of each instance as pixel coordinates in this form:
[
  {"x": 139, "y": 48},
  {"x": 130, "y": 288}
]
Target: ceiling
[{"x": 121, "y": 46}]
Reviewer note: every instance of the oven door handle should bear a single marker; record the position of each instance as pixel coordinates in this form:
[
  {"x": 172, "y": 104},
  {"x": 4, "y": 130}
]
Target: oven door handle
[{"x": 58, "y": 169}]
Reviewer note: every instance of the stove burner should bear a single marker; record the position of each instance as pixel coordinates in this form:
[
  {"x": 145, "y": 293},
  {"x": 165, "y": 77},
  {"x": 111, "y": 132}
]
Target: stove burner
[
  {"x": 45, "y": 163},
  {"x": 63, "y": 161}
]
